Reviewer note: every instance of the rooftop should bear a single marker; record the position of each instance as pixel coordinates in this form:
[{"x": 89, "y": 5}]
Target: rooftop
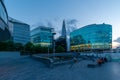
[
  {"x": 91, "y": 25},
  {"x": 16, "y": 21}
]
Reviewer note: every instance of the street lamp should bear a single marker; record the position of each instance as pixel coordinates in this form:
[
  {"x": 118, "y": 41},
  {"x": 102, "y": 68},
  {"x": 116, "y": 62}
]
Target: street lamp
[
  {"x": 53, "y": 34},
  {"x": 51, "y": 38},
  {"x": 48, "y": 48}
]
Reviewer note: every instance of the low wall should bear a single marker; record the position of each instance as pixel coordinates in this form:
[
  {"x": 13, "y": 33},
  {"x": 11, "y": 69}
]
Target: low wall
[{"x": 48, "y": 61}]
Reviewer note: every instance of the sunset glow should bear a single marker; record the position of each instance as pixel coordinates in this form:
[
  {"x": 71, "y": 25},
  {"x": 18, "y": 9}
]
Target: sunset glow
[{"x": 115, "y": 44}]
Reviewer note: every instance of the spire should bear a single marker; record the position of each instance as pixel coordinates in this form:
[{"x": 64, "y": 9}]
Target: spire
[{"x": 63, "y": 30}]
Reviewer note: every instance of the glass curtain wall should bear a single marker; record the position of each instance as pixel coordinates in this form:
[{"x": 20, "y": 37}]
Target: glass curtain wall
[{"x": 92, "y": 37}]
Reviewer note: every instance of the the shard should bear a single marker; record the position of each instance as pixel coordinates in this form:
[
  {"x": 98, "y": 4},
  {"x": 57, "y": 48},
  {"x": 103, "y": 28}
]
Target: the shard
[{"x": 63, "y": 34}]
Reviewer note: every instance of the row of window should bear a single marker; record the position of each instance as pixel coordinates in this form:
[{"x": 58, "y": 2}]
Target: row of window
[
  {"x": 92, "y": 34},
  {"x": 91, "y": 47},
  {"x": 18, "y": 29},
  {"x": 18, "y": 40},
  {"x": 24, "y": 34}
]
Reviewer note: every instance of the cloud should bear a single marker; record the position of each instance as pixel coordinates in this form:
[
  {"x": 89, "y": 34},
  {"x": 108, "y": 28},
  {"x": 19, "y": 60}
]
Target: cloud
[
  {"x": 71, "y": 25},
  {"x": 72, "y": 21},
  {"x": 115, "y": 45},
  {"x": 56, "y": 23},
  {"x": 117, "y": 40},
  {"x": 50, "y": 24},
  {"x": 41, "y": 23}
]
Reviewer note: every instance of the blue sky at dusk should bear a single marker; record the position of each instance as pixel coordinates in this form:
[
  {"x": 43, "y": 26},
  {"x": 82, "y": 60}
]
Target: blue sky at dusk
[{"x": 85, "y": 11}]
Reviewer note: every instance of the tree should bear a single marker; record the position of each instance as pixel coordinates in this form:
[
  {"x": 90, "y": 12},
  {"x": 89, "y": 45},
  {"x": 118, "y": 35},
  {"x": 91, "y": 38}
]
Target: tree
[
  {"x": 29, "y": 47},
  {"x": 60, "y": 49},
  {"x": 44, "y": 49},
  {"x": 2, "y": 46},
  {"x": 61, "y": 42},
  {"x": 9, "y": 45},
  {"x": 18, "y": 46},
  {"x": 37, "y": 48}
]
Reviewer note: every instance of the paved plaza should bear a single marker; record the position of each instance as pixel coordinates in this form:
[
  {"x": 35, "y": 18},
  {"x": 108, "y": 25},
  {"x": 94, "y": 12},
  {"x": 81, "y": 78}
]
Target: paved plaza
[{"x": 25, "y": 68}]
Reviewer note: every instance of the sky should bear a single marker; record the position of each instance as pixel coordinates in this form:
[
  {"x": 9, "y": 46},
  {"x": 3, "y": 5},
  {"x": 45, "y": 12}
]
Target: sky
[{"x": 84, "y": 11}]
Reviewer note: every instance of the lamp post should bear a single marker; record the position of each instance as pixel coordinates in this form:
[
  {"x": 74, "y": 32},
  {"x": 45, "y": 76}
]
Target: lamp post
[
  {"x": 49, "y": 45},
  {"x": 53, "y": 41},
  {"x": 51, "y": 38}
]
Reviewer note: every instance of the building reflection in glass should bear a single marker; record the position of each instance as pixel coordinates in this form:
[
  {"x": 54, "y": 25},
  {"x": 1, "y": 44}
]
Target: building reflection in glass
[{"x": 92, "y": 37}]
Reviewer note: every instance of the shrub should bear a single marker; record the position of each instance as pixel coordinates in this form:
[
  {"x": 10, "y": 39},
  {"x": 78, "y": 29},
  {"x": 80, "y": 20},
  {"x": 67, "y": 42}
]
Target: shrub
[{"x": 60, "y": 49}]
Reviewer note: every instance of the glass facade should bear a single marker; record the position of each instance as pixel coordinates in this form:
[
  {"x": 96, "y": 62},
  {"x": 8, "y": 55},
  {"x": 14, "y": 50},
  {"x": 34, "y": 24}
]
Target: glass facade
[
  {"x": 92, "y": 37},
  {"x": 4, "y": 30},
  {"x": 3, "y": 13},
  {"x": 42, "y": 35},
  {"x": 20, "y": 31}
]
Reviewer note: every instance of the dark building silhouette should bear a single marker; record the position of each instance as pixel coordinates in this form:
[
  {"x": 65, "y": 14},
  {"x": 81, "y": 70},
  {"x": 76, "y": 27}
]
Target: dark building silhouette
[
  {"x": 4, "y": 29},
  {"x": 61, "y": 41},
  {"x": 63, "y": 34}
]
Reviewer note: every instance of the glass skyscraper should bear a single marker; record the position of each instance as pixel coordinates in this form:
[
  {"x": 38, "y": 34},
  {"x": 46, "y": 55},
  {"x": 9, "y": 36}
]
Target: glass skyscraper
[
  {"x": 62, "y": 40},
  {"x": 4, "y": 29},
  {"x": 91, "y": 37},
  {"x": 42, "y": 35}
]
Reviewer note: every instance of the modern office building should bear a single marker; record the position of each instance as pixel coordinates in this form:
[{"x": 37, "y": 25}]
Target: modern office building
[
  {"x": 42, "y": 35},
  {"x": 20, "y": 31},
  {"x": 4, "y": 29},
  {"x": 91, "y": 37}
]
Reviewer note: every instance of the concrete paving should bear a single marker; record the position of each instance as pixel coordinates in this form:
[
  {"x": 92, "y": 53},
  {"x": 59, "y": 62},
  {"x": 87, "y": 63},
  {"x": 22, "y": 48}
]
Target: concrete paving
[{"x": 25, "y": 68}]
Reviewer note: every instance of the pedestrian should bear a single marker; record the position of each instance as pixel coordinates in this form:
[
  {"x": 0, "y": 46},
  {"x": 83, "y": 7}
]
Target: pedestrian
[
  {"x": 105, "y": 59},
  {"x": 99, "y": 62}
]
